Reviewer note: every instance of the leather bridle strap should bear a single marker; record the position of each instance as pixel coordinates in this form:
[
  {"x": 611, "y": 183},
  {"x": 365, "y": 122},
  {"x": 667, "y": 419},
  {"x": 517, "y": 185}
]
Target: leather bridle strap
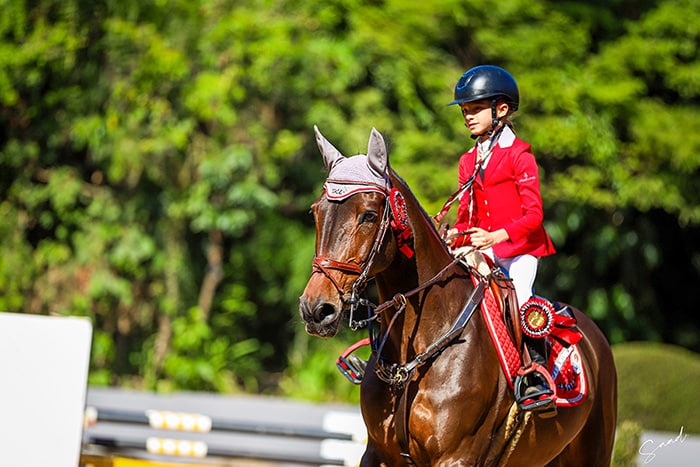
[{"x": 324, "y": 265}]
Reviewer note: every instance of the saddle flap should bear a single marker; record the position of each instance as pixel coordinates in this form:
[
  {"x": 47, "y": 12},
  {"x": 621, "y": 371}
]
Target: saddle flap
[
  {"x": 504, "y": 291},
  {"x": 501, "y": 288}
]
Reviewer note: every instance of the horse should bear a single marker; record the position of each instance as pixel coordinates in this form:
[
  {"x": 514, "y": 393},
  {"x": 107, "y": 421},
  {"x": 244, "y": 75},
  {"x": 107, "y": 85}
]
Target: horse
[{"x": 433, "y": 396}]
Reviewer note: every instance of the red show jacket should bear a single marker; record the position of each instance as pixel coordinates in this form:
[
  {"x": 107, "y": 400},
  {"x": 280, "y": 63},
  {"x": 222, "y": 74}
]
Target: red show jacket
[{"x": 508, "y": 197}]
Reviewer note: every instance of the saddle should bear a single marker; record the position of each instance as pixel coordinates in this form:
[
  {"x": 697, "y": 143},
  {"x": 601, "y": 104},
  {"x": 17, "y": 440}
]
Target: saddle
[{"x": 506, "y": 322}]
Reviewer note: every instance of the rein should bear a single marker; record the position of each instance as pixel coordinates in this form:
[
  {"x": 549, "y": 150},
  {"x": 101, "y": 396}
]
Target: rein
[
  {"x": 398, "y": 375},
  {"x": 469, "y": 182}
]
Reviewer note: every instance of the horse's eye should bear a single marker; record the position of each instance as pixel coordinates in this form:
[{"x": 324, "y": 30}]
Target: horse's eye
[
  {"x": 368, "y": 216},
  {"x": 312, "y": 210}
]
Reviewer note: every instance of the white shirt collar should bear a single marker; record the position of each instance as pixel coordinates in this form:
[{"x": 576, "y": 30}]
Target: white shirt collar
[
  {"x": 505, "y": 140},
  {"x": 507, "y": 137}
]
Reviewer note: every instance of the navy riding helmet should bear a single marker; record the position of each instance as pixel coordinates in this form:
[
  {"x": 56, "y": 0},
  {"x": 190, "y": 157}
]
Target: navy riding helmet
[{"x": 487, "y": 82}]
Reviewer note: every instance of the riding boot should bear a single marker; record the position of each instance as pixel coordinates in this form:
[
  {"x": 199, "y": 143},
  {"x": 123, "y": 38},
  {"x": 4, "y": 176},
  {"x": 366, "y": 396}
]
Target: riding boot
[
  {"x": 534, "y": 386},
  {"x": 537, "y": 349}
]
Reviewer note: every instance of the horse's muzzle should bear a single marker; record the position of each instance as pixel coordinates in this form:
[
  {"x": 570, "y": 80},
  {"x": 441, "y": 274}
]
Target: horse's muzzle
[{"x": 322, "y": 318}]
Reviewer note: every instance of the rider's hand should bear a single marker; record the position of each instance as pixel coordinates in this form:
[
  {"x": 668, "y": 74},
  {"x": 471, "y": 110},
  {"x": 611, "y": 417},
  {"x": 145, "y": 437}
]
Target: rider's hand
[
  {"x": 483, "y": 239},
  {"x": 456, "y": 238},
  {"x": 448, "y": 237}
]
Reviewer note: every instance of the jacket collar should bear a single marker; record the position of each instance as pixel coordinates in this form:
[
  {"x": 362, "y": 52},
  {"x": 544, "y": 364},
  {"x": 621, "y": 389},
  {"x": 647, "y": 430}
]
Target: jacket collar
[{"x": 505, "y": 140}]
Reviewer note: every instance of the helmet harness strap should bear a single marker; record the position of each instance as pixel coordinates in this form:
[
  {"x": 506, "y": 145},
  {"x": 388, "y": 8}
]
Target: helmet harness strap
[
  {"x": 494, "y": 117},
  {"x": 495, "y": 122}
]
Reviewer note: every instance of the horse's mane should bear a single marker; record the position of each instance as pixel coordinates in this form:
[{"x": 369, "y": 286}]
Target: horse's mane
[{"x": 412, "y": 202}]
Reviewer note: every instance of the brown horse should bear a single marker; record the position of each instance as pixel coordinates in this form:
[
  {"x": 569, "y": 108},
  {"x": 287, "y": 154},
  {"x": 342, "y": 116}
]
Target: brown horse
[{"x": 432, "y": 397}]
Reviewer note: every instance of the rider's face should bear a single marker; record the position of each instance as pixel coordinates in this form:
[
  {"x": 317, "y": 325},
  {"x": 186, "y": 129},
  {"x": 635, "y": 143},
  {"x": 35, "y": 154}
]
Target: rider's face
[{"x": 477, "y": 115}]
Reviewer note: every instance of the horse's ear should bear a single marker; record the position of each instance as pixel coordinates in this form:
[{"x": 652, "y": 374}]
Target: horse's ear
[
  {"x": 330, "y": 154},
  {"x": 377, "y": 153}
]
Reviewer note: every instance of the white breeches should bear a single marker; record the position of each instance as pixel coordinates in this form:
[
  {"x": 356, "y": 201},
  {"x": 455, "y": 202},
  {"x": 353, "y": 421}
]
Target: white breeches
[{"x": 522, "y": 269}]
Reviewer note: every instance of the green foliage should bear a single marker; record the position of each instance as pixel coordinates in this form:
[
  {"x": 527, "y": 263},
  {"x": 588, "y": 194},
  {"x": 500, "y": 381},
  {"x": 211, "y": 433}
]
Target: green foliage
[
  {"x": 200, "y": 360},
  {"x": 312, "y": 373},
  {"x": 627, "y": 443},
  {"x": 658, "y": 386},
  {"x": 157, "y": 163}
]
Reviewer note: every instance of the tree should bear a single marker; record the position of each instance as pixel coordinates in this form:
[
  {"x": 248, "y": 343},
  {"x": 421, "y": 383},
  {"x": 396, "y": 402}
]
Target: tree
[{"x": 158, "y": 162}]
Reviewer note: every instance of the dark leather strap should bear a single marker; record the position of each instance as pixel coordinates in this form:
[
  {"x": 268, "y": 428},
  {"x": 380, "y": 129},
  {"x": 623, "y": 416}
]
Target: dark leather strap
[
  {"x": 402, "y": 410},
  {"x": 401, "y": 424}
]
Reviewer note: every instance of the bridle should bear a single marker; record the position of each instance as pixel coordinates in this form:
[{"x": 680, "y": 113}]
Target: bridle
[
  {"x": 353, "y": 299},
  {"x": 323, "y": 265}
]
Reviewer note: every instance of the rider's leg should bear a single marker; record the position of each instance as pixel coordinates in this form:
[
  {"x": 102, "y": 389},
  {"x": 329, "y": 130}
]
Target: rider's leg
[
  {"x": 537, "y": 380},
  {"x": 523, "y": 270}
]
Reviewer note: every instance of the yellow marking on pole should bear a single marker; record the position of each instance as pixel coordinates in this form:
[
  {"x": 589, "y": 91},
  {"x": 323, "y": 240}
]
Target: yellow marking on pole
[
  {"x": 100, "y": 461},
  {"x": 176, "y": 447},
  {"x": 179, "y": 421}
]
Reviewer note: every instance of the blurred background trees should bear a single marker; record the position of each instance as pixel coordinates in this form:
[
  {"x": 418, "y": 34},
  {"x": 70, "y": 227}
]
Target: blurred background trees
[{"x": 157, "y": 164}]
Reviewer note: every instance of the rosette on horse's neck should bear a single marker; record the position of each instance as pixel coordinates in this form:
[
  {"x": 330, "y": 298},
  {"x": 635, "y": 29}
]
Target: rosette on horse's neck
[{"x": 359, "y": 173}]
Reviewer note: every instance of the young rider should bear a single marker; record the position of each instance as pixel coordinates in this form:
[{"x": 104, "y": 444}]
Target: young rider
[{"x": 501, "y": 212}]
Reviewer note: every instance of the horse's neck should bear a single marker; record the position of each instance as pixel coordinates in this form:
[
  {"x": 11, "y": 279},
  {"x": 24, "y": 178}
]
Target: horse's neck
[
  {"x": 428, "y": 312},
  {"x": 431, "y": 311}
]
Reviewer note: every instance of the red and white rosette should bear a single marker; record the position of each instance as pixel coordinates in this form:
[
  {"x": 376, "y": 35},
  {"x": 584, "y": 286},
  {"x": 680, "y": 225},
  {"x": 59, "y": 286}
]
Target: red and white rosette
[
  {"x": 537, "y": 317},
  {"x": 398, "y": 210},
  {"x": 399, "y": 222}
]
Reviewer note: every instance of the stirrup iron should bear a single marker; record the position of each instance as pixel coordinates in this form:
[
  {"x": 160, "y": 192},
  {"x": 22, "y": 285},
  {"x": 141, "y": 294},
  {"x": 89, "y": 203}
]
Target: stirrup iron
[{"x": 530, "y": 398}]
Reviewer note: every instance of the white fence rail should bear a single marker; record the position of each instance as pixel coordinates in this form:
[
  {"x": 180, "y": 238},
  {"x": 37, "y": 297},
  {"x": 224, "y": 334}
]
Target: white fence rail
[{"x": 213, "y": 428}]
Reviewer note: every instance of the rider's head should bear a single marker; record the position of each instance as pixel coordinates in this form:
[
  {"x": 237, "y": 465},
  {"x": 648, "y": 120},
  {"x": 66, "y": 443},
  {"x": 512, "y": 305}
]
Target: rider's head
[{"x": 491, "y": 83}]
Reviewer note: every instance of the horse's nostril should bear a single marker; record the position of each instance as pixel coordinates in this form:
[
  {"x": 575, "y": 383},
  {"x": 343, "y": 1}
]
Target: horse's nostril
[
  {"x": 323, "y": 311},
  {"x": 316, "y": 314}
]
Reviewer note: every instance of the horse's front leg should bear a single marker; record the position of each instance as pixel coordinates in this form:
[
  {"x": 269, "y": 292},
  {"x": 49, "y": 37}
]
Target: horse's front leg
[
  {"x": 377, "y": 412},
  {"x": 375, "y": 456},
  {"x": 372, "y": 458}
]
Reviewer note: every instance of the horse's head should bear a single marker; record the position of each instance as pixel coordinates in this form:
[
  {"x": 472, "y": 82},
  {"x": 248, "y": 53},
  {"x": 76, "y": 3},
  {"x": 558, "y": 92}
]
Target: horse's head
[{"x": 352, "y": 218}]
